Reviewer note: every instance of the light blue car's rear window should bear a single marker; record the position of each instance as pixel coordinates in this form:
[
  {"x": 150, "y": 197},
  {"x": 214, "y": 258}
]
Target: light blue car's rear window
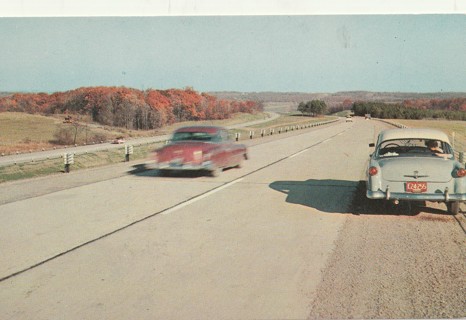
[{"x": 413, "y": 148}]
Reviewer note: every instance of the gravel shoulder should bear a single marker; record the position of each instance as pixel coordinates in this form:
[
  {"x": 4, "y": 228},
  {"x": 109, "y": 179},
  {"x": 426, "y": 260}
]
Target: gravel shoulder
[{"x": 396, "y": 266}]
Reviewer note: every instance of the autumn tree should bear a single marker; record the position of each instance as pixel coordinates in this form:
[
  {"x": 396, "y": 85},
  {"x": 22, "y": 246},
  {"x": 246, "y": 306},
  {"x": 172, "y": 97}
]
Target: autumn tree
[{"x": 129, "y": 108}]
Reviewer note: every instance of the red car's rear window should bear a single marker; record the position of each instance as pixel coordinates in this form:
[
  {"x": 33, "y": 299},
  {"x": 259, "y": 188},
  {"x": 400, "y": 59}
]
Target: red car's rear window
[{"x": 210, "y": 130}]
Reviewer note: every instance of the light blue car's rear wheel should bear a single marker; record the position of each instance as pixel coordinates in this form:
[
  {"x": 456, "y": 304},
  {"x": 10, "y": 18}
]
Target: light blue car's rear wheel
[{"x": 453, "y": 207}]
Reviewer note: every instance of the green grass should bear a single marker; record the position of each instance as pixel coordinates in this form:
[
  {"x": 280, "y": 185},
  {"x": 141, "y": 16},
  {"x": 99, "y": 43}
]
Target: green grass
[
  {"x": 30, "y": 170},
  {"x": 81, "y": 161},
  {"x": 459, "y": 127}
]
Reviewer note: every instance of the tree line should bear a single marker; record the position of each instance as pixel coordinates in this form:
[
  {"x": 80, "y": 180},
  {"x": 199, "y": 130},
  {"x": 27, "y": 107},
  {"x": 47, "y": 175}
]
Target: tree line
[
  {"x": 451, "y": 109},
  {"x": 129, "y": 108},
  {"x": 442, "y": 109},
  {"x": 313, "y": 107}
]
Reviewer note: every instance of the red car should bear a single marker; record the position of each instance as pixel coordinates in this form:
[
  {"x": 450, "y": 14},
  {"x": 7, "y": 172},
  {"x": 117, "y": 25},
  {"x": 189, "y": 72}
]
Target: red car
[{"x": 206, "y": 148}]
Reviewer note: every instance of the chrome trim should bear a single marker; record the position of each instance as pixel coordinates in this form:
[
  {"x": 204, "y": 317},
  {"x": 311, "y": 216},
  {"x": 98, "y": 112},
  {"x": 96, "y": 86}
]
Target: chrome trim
[{"x": 416, "y": 196}]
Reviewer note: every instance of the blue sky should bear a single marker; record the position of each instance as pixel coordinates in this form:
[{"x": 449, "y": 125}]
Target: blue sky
[{"x": 309, "y": 53}]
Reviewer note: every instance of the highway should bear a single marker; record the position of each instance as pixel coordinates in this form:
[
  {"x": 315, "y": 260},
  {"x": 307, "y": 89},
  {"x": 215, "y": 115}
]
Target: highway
[{"x": 288, "y": 235}]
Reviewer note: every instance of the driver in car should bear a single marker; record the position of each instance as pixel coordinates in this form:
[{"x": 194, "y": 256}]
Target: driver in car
[{"x": 433, "y": 146}]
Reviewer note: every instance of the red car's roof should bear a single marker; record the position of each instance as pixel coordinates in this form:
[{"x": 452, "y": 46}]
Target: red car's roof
[{"x": 206, "y": 129}]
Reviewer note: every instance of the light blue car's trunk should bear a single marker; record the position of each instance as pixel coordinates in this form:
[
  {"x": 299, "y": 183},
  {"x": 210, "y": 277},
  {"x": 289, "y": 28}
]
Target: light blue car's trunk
[{"x": 432, "y": 169}]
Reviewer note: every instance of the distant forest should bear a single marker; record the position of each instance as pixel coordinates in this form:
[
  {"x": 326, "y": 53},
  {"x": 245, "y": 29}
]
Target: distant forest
[
  {"x": 336, "y": 99},
  {"x": 149, "y": 109},
  {"x": 450, "y": 109},
  {"x": 393, "y": 105},
  {"x": 129, "y": 108}
]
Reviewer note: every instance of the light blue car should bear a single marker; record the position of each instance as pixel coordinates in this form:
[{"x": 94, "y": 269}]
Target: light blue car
[{"x": 416, "y": 165}]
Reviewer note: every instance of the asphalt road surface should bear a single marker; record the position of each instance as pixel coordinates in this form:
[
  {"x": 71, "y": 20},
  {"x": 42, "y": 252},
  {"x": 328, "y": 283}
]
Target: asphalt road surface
[{"x": 287, "y": 236}]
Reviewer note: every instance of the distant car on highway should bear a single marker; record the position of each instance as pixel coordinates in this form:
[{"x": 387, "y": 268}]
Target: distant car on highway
[
  {"x": 416, "y": 165},
  {"x": 349, "y": 118},
  {"x": 206, "y": 148},
  {"x": 118, "y": 140}
]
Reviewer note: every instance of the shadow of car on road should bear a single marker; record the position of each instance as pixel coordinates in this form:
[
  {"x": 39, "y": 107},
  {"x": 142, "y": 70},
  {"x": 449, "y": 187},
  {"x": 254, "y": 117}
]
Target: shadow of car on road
[
  {"x": 332, "y": 196},
  {"x": 342, "y": 196},
  {"x": 145, "y": 170}
]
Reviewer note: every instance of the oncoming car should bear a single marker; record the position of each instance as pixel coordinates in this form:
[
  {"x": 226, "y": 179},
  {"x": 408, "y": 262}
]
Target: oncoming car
[
  {"x": 206, "y": 148},
  {"x": 416, "y": 165}
]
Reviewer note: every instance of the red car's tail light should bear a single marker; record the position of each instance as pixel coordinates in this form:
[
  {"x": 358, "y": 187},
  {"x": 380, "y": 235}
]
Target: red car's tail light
[
  {"x": 197, "y": 155},
  {"x": 461, "y": 172},
  {"x": 373, "y": 171}
]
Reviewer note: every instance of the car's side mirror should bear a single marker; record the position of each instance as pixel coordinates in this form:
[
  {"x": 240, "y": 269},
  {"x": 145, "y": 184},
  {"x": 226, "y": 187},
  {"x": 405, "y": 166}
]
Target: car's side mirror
[{"x": 371, "y": 145}]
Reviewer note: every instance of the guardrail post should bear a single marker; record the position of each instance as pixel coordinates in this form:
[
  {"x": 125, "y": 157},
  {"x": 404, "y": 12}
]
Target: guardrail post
[
  {"x": 68, "y": 160},
  {"x": 128, "y": 151}
]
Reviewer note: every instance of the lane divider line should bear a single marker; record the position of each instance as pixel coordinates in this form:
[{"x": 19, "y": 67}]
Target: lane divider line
[
  {"x": 164, "y": 211},
  {"x": 200, "y": 197},
  {"x": 297, "y": 154}
]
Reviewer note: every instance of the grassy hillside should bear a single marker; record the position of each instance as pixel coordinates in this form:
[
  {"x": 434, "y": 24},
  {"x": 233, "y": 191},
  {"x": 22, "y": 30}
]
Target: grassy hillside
[{"x": 23, "y": 132}]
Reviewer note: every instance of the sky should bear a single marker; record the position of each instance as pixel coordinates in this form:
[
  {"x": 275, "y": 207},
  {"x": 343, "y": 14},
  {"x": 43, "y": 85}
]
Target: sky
[{"x": 401, "y": 52}]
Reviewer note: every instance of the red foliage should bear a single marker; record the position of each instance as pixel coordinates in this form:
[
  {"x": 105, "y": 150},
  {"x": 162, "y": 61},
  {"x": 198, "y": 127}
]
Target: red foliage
[
  {"x": 455, "y": 104},
  {"x": 131, "y": 108}
]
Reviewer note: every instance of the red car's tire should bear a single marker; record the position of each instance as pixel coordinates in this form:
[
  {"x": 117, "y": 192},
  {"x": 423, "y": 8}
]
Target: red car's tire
[{"x": 215, "y": 172}]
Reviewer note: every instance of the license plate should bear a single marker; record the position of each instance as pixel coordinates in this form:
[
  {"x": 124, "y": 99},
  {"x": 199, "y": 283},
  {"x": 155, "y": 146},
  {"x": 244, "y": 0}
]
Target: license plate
[{"x": 416, "y": 187}]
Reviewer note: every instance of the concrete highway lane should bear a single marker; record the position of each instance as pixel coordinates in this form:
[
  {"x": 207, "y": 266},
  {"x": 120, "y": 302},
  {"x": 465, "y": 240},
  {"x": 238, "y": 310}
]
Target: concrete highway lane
[{"x": 255, "y": 242}]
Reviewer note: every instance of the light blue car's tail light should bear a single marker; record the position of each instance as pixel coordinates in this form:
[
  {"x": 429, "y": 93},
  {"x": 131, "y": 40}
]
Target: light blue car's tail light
[
  {"x": 461, "y": 172},
  {"x": 373, "y": 171}
]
